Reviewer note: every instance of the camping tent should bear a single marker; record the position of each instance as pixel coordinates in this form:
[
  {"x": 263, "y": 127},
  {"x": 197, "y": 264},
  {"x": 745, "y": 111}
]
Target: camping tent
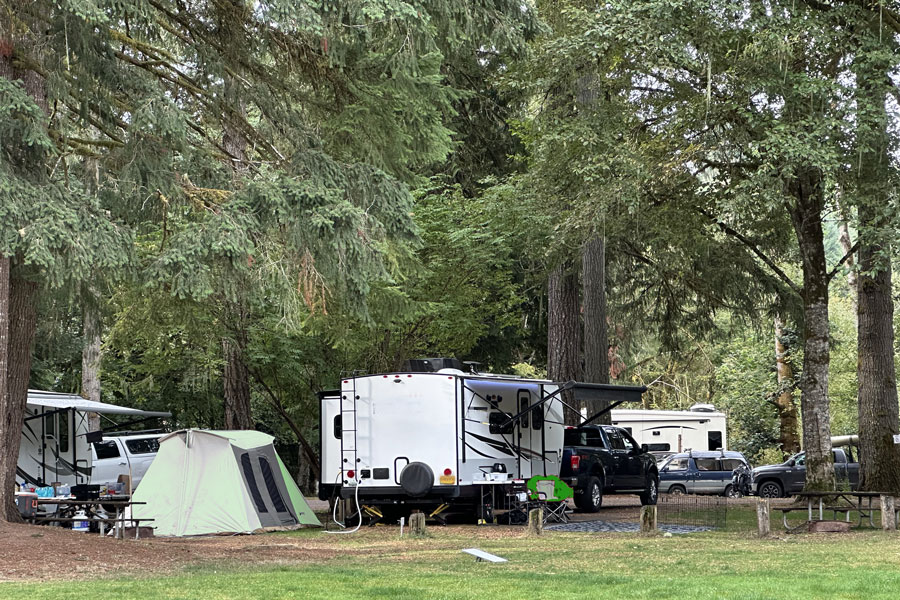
[{"x": 206, "y": 482}]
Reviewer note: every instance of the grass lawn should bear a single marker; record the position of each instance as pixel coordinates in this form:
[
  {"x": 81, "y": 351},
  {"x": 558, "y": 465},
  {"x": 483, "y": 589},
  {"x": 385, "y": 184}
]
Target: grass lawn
[{"x": 376, "y": 564}]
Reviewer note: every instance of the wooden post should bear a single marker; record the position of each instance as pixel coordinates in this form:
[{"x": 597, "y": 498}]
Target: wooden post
[
  {"x": 417, "y": 523},
  {"x": 762, "y": 517},
  {"x": 535, "y": 521},
  {"x": 887, "y": 513},
  {"x": 648, "y": 519}
]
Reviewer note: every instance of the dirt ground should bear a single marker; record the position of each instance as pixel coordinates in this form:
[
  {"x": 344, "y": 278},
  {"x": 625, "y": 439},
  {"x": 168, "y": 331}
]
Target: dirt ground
[{"x": 36, "y": 553}]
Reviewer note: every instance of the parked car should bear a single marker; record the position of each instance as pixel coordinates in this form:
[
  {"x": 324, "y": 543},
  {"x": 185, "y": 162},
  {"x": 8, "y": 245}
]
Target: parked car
[
  {"x": 776, "y": 481},
  {"x": 700, "y": 473},
  {"x": 123, "y": 455},
  {"x": 601, "y": 459}
]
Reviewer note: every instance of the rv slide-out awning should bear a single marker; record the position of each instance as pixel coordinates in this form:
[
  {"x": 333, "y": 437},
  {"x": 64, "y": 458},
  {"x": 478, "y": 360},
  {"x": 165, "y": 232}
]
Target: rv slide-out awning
[
  {"x": 613, "y": 395},
  {"x": 58, "y": 401}
]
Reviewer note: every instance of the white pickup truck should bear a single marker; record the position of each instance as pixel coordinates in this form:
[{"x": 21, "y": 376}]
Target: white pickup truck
[{"x": 123, "y": 455}]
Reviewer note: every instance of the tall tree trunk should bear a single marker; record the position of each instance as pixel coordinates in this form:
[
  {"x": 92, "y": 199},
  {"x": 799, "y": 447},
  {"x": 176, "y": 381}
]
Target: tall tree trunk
[
  {"x": 236, "y": 378},
  {"x": 7, "y": 430},
  {"x": 788, "y": 435},
  {"x": 21, "y": 317},
  {"x": 877, "y": 403},
  {"x": 596, "y": 336},
  {"x": 808, "y": 202},
  {"x": 90, "y": 358},
  {"x": 22, "y": 324},
  {"x": 562, "y": 332}
]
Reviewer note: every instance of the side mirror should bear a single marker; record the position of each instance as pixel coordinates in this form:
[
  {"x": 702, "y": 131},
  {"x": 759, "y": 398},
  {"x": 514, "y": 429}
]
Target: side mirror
[
  {"x": 645, "y": 448},
  {"x": 792, "y": 462}
]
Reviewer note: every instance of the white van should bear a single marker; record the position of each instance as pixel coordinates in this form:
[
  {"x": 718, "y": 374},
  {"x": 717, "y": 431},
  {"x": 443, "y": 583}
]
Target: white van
[{"x": 123, "y": 455}]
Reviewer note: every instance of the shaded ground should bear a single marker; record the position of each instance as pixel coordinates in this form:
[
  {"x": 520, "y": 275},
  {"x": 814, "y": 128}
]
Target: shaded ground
[{"x": 29, "y": 552}]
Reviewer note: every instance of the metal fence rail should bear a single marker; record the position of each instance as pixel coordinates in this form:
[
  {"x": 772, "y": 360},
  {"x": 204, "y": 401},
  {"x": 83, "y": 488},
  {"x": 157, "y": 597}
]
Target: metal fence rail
[{"x": 683, "y": 509}]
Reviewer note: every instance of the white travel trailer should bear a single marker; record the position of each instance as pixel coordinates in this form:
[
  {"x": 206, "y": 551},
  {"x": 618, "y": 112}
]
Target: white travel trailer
[
  {"x": 699, "y": 428},
  {"x": 435, "y": 437},
  {"x": 55, "y": 444}
]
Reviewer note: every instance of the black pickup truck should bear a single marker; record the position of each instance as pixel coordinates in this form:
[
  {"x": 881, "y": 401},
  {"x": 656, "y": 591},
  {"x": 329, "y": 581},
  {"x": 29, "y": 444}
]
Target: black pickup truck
[
  {"x": 601, "y": 459},
  {"x": 775, "y": 481}
]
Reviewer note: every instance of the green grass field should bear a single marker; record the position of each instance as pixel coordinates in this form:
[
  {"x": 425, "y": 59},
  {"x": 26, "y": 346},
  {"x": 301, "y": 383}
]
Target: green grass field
[{"x": 376, "y": 564}]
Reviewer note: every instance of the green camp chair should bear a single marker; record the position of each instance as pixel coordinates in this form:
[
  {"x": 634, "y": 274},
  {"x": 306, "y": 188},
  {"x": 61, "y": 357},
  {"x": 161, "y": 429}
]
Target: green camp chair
[{"x": 551, "y": 494}]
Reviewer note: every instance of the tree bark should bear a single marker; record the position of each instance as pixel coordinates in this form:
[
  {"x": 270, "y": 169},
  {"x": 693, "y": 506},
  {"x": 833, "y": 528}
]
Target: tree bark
[
  {"x": 878, "y": 414},
  {"x": 90, "y": 359},
  {"x": 562, "y": 332},
  {"x": 807, "y": 204},
  {"x": 22, "y": 323},
  {"x": 20, "y": 317},
  {"x": 236, "y": 378},
  {"x": 596, "y": 336},
  {"x": 7, "y": 462},
  {"x": 788, "y": 434}
]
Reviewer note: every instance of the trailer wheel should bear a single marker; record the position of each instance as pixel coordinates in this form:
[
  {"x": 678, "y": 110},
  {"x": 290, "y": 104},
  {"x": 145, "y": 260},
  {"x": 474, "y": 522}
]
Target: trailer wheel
[{"x": 591, "y": 497}]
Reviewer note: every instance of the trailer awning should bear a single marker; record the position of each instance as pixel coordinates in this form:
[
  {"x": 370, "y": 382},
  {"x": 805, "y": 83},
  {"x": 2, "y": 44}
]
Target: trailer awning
[
  {"x": 608, "y": 392},
  {"x": 59, "y": 401}
]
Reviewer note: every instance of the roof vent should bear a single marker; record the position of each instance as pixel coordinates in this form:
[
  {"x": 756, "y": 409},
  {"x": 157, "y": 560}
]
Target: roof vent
[{"x": 708, "y": 408}]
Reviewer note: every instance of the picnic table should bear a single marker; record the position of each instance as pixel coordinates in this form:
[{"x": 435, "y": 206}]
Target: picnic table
[
  {"x": 65, "y": 508},
  {"x": 861, "y": 502}
]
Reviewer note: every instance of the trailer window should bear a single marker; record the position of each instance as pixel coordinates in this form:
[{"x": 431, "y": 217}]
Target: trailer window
[
  {"x": 523, "y": 406},
  {"x": 337, "y": 427},
  {"x": 537, "y": 417},
  {"x": 715, "y": 440},
  {"x": 108, "y": 449},
  {"x": 496, "y": 419},
  {"x": 62, "y": 436},
  {"x": 659, "y": 447}
]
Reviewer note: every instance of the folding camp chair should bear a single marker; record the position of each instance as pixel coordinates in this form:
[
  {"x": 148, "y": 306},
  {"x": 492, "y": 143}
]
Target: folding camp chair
[{"x": 551, "y": 494}]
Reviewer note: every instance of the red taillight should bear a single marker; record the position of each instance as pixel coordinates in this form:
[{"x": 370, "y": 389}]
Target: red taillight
[
  {"x": 447, "y": 471},
  {"x": 575, "y": 461},
  {"x": 351, "y": 473}
]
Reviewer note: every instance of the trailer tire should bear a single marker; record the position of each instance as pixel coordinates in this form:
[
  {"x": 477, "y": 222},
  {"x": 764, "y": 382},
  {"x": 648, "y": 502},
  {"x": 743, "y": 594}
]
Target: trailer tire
[
  {"x": 416, "y": 479},
  {"x": 591, "y": 497}
]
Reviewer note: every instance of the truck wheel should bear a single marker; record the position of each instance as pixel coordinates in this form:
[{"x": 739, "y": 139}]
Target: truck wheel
[
  {"x": 770, "y": 489},
  {"x": 651, "y": 491},
  {"x": 677, "y": 490},
  {"x": 591, "y": 498},
  {"x": 731, "y": 492}
]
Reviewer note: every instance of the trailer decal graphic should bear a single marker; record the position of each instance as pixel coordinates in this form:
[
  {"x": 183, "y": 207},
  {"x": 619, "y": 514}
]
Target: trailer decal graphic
[{"x": 504, "y": 448}]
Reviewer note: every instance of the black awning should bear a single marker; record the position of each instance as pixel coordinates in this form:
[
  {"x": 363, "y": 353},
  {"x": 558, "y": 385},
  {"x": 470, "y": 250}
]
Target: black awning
[{"x": 608, "y": 392}]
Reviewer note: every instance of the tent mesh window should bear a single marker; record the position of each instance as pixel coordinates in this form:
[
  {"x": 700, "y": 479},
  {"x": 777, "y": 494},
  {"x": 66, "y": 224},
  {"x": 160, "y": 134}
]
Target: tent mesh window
[
  {"x": 251, "y": 483},
  {"x": 269, "y": 478}
]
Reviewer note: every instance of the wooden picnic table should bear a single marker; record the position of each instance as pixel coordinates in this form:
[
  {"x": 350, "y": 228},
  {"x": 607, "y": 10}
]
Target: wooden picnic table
[
  {"x": 855, "y": 501},
  {"x": 71, "y": 505}
]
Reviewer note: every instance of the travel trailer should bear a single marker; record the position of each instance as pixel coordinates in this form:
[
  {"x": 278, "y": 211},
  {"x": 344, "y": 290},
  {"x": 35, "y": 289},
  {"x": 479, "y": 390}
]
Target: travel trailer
[
  {"x": 434, "y": 437},
  {"x": 669, "y": 431},
  {"x": 55, "y": 444}
]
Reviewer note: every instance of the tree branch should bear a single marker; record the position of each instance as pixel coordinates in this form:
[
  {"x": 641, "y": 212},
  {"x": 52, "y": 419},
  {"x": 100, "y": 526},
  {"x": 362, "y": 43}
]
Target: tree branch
[
  {"x": 754, "y": 249},
  {"x": 841, "y": 262}
]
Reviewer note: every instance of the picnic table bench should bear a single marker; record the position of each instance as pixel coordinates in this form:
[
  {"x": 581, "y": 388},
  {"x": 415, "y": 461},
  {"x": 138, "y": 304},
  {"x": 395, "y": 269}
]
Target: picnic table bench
[
  {"x": 860, "y": 502},
  {"x": 64, "y": 509}
]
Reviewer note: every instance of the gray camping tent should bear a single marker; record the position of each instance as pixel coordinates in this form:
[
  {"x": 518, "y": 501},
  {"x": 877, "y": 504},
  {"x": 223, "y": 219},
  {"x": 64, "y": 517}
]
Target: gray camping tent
[{"x": 207, "y": 482}]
